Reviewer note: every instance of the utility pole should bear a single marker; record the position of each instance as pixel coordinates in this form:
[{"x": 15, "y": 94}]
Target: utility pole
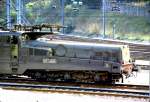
[
  {"x": 114, "y": 29},
  {"x": 62, "y": 14},
  {"x": 104, "y": 18},
  {"x": 115, "y": 9},
  {"x": 18, "y": 9},
  {"x": 22, "y": 11},
  {"x": 8, "y": 14}
]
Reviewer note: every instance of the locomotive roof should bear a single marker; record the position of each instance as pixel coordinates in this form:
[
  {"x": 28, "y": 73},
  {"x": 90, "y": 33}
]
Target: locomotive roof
[{"x": 80, "y": 44}]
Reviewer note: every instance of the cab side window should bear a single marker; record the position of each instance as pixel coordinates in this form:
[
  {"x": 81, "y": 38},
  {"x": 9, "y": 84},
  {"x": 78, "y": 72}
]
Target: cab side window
[{"x": 98, "y": 56}]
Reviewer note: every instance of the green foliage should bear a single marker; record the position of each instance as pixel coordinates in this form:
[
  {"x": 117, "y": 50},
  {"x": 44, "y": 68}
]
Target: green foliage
[
  {"x": 68, "y": 9},
  {"x": 38, "y": 4},
  {"x": 2, "y": 20},
  {"x": 87, "y": 18},
  {"x": 43, "y": 11}
]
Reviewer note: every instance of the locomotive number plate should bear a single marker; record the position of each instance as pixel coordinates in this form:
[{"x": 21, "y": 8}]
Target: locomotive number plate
[{"x": 49, "y": 61}]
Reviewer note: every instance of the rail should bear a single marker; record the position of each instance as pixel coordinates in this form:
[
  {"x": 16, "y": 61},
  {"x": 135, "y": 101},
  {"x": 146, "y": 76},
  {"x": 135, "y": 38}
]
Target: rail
[{"x": 116, "y": 90}]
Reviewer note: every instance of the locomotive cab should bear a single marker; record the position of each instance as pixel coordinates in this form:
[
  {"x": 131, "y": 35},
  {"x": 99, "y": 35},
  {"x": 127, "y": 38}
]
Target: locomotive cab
[{"x": 9, "y": 54}]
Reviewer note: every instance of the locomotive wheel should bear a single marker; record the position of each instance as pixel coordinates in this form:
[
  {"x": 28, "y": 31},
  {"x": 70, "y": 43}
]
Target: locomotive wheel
[{"x": 73, "y": 76}]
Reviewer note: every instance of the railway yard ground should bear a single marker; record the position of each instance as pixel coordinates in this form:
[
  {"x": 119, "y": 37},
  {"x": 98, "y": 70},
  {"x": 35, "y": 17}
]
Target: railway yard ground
[
  {"x": 75, "y": 51},
  {"x": 134, "y": 89},
  {"x": 36, "y": 96},
  {"x": 139, "y": 78}
]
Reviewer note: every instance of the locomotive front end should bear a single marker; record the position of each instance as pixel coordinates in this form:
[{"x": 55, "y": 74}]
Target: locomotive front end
[{"x": 126, "y": 61}]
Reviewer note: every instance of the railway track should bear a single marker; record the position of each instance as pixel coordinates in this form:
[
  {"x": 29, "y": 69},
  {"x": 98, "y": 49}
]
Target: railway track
[{"x": 138, "y": 91}]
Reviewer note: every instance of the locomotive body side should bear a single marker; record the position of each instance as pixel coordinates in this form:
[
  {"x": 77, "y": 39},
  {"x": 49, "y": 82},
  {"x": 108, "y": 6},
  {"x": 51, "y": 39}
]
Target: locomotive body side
[
  {"x": 101, "y": 56},
  {"x": 65, "y": 57}
]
